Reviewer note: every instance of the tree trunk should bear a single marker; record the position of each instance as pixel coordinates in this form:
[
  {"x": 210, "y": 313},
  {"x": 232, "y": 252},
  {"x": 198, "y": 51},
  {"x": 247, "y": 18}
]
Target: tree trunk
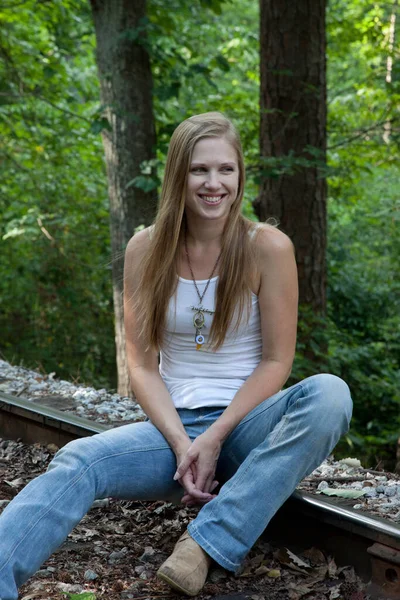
[
  {"x": 293, "y": 120},
  {"x": 126, "y": 94},
  {"x": 389, "y": 65}
]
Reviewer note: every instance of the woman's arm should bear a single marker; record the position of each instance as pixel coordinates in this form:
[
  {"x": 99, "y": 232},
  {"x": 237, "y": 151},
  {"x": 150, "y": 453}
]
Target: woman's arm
[
  {"x": 150, "y": 390},
  {"x": 278, "y": 298}
]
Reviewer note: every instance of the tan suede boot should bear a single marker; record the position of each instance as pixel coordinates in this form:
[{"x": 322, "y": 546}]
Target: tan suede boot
[{"x": 187, "y": 567}]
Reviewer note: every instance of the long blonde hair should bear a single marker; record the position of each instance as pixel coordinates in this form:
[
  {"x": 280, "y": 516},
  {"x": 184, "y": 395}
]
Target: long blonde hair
[{"x": 158, "y": 273}]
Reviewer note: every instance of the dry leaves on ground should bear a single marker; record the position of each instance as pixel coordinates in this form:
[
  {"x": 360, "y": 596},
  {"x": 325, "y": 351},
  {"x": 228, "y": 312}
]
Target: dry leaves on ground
[{"x": 114, "y": 553}]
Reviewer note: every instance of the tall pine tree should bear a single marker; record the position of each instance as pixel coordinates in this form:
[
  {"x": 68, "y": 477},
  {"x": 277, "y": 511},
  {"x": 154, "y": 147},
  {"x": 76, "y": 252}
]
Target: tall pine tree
[
  {"x": 293, "y": 133},
  {"x": 129, "y": 136}
]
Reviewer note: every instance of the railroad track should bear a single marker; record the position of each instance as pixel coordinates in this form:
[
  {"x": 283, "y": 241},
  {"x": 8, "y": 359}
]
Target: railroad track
[
  {"x": 33, "y": 423},
  {"x": 370, "y": 544}
]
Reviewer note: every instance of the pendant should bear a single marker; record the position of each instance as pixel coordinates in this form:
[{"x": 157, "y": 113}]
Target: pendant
[
  {"x": 198, "y": 319},
  {"x": 199, "y": 322},
  {"x": 199, "y": 341},
  {"x": 202, "y": 309}
]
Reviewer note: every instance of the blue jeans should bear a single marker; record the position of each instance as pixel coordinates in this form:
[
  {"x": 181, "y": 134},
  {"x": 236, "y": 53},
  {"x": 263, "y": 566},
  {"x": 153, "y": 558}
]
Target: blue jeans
[{"x": 275, "y": 446}]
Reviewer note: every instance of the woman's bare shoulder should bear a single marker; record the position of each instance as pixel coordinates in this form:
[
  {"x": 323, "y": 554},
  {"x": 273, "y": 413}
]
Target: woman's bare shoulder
[
  {"x": 135, "y": 252},
  {"x": 139, "y": 242},
  {"x": 277, "y": 266},
  {"x": 272, "y": 242}
]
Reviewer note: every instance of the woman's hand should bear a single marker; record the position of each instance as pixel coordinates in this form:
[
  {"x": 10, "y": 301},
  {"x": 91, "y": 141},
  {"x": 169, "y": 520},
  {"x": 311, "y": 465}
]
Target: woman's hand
[
  {"x": 187, "y": 480},
  {"x": 196, "y": 468}
]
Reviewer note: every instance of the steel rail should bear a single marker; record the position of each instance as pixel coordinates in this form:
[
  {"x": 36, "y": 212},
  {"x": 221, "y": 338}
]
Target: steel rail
[
  {"x": 31, "y": 422},
  {"x": 374, "y": 528},
  {"x": 371, "y": 544}
]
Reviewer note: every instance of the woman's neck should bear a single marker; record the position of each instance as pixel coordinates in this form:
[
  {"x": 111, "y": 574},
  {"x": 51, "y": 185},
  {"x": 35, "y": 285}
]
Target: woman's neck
[{"x": 200, "y": 233}]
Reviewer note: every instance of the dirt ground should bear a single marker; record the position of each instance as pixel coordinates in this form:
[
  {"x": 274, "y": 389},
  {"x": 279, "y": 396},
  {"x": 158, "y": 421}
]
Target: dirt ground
[{"x": 114, "y": 553}]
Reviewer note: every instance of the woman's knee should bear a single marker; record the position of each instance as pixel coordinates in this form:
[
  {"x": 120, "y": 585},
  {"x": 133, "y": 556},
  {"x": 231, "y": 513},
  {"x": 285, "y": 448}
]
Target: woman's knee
[
  {"x": 74, "y": 457},
  {"x": 81, "y": 462},
  {"x": 333, "y": 399}
]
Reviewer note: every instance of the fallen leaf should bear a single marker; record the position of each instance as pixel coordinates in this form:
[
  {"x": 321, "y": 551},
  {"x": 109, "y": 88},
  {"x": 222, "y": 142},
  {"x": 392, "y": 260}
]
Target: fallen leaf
[
  {"x": 274, "y": 573},
  {"x": 88, "y": 533},
  {"x": 349, "y": 574},
  {"x": 264, "y": 546},
  {"x": 315, "y": 556},
  {"x": 263, "y": 570},
  {"x": 299, "y": 590},
  {"x": 296, "y": 559},
  {"x": 351, "y": 462},
  {"x": 52, "y": 448},
  {"x": 256, "y": 560},
  {"x": 247, "y": 572},
  {"x": 286, "y": 557},
  {"x": 335, "y": 593},
  {"x": 332, "y": 568},
  {"x": 317, "y": 574},
  {"x": 15, "y": 482},
  {"x": 84, "y": 596},
  {"x": 343, "y": 492}
]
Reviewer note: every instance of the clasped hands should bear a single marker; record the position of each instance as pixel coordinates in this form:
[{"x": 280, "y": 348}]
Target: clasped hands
[{"x": 196, "y": 465}]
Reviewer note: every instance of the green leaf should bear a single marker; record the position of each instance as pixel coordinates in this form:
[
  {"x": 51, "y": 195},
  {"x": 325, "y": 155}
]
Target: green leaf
[
  {"x": 98, "y": 125},
  {"x": 147, "y": 184},
  {"x": 214, "y": 5},
  {"x": 343, "y": 492},
  {"x": 222, "y": 62},
  {"x": 84, "y": 596}
]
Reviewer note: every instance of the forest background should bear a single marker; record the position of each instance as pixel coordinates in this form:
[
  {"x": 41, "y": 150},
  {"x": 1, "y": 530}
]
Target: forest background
[{"x": 55, "y": 247}]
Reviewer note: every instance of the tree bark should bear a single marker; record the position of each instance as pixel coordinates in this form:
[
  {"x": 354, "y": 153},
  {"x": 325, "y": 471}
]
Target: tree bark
[
  {"x": 387, "y": 128},
  {"x": 126, "y": 94},
  {"x": 293, "y": 119}
]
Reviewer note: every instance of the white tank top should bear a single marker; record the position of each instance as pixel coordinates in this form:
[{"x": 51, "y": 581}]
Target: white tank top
[{"x": 198, "y": 378}]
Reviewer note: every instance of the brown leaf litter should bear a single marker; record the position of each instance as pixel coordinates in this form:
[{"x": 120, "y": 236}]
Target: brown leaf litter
[{"x": 117, "y": 548}]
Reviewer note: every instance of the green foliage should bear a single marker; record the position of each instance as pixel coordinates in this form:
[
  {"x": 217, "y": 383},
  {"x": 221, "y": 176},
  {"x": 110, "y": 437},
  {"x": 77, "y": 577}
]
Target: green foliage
[
  {"x": 55, "y": 282},
  {"x": 207, "y": 61},
  {"x": 359, "y": 339},
  {"x": 54, "y": 236},
  {"x": 362, "y": 102},
  {"x": 364, "y": 306},
  {"x": 55, "y": 276}
]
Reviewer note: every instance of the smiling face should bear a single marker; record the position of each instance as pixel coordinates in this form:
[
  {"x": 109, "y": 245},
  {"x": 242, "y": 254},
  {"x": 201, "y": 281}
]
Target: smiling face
[{"x": 213, "y": 180}]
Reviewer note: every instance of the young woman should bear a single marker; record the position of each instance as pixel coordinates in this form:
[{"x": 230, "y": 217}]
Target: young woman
[{"x": 216, "y": 295}]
